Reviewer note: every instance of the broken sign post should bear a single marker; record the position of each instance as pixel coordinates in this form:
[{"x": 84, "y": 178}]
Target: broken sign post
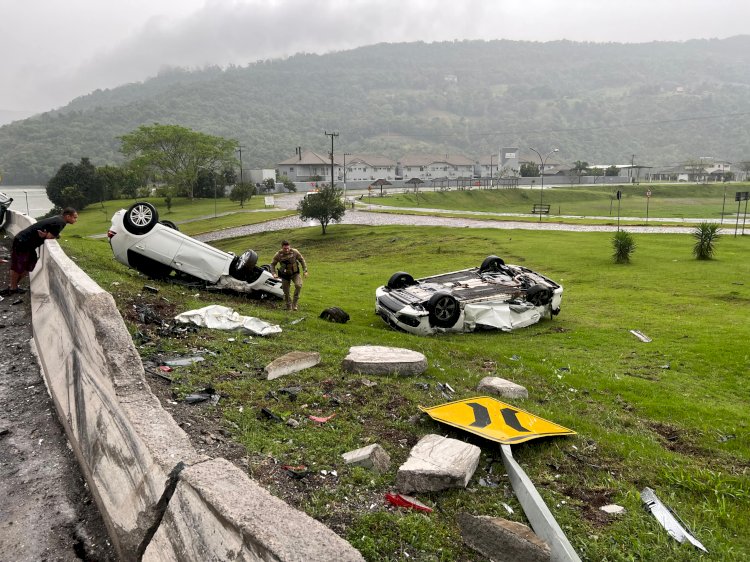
[
  {"x": 506, "y": 424},
  {"x": 668, "y": 519}
]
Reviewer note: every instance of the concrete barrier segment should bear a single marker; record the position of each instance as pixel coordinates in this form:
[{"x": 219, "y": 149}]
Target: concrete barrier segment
[{"x": 217, "y": 513}]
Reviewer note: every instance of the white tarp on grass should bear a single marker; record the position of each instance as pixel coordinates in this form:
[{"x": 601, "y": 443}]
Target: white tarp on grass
[{"x": 217, "y": 317}]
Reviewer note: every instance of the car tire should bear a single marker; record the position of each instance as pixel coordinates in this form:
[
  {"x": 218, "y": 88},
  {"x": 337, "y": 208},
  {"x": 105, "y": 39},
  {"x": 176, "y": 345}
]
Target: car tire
[
  {"x": 169, "y": 224},
  {"x": 399, "y": 280},
  {"x": 491, "y": 264},
  {"x": 140, "y": 218},
  {"x": 444, "y": 310},
  {"x": 149, "y": 267},
  {"x": 539, "y": 295}
]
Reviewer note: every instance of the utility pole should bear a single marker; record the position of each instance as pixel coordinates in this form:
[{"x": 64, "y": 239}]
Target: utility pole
[
  {"x": 239, "y": 149},
  {"x": 332, "y": 135}
]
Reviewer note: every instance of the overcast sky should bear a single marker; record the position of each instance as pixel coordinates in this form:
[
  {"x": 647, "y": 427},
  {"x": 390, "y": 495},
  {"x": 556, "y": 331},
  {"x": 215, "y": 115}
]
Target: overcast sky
[{"x": 56, "y": 50}]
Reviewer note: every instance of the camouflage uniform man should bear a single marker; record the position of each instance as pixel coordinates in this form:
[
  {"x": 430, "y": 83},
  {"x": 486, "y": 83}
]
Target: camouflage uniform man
[{"x": 290, "y": 261}]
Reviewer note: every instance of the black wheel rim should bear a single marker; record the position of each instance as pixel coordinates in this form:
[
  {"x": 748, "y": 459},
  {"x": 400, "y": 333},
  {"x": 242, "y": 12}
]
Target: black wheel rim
[{"x": 445, "y": 308}]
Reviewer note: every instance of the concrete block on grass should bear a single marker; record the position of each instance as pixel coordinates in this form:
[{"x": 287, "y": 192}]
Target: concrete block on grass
[{"x": 437, "y": 463}]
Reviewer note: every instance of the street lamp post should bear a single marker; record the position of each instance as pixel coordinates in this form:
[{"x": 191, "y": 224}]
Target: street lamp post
[
  {"x": 26, "y": 193},
  {"x": 541, "y": 172},
  {"x": 345, "y": 155},
  {"x": 491, "y": 155}
]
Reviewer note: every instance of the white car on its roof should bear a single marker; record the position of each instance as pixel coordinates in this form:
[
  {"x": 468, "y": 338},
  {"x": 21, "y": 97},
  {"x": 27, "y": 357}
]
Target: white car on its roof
[
  {"x": 157, "y": 248},
  {"x": 494, "y": 295}
]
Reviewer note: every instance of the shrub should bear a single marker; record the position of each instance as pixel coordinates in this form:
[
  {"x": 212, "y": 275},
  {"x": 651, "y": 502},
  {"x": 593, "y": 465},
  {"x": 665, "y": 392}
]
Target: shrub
[
  {"x": 623, "y": 245},
  {"x": 705, "y": 234}
]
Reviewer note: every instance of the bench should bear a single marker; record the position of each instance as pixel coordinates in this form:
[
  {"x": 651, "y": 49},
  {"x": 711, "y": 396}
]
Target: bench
[{"x": 540, "y": 210}]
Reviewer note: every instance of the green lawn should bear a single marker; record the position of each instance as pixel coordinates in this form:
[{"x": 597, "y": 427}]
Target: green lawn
[
  {"x": 202, "y": 214},
  {"x": 671, "y": 414},
  {"x": 667, "y": 200}
]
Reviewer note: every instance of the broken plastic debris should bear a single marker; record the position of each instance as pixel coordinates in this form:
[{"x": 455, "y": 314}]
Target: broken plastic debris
[
  {"x": 507, "y": 508},
  {"x": 668, "y": 519},
  {"x": 270, "y": 415},
  {"x": 298, "y": 472},
  {"x": 150, "y": 289},
  {"x": 184, "y": 361},
  {"x": 297, "y": 321},
  {"x": 641, "y": 336},
  {"x": 401, "y": 500},
  {"x": 165, "y": 368},
  {"x": 321, "y": 420},
  {"x": 197, "y": 397}
]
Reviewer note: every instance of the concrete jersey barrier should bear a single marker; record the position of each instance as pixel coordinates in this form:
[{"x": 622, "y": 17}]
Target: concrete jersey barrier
[{"x": 160, "y": 499}]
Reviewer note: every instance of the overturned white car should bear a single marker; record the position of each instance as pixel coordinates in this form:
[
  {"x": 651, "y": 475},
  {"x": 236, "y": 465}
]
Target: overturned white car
[
  {"x": 139, "y": 240},
  {"x": 494, "y": 295}
]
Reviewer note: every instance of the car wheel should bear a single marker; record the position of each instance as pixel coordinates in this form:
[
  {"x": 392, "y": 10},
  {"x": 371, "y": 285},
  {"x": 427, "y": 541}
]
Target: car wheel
[
  {"x": 140, "y": 218},
  {"x": 399, "y": 280},
  {"x": 539, "y": 295},
  {"x": 169, "y": 224},
  {"x": 444, "y": 310},
  {"x": 491, "y": 264},
  {"x": 149, "y": 267}
]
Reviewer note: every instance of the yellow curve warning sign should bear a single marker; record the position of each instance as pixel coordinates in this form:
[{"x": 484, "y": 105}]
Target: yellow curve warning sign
[{"x": 495, "y": 420}]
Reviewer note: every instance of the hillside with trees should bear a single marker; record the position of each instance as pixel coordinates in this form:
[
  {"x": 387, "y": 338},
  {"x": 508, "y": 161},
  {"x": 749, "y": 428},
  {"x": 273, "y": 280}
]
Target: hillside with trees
[{"x": 664, "y": 102}]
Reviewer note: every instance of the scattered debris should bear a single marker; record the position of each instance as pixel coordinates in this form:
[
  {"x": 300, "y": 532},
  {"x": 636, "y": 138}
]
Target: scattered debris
[
  {"x": 165, "y": 368},
  {"x": 335, "y": 314},
  {"x": 292, "y": 362},
  {"x": 291, "y": 391},
  {"x": 368, "y": 383},
  {"x": 183, "y": 361},
  {"x": 270, "y": 415},
  {"x": 515, "y": 357},
  {"x": 197, "y": 397},
  {"x": 501, "y": 539},
  {"x": 641, "y": 336},
  {"x": 502, "y": 387},
  {"x": 507, "y": 508},
  {"x": 668, "y": 519},
  {"x": 401, "y": 500},
  {"x": 422, "y": 385},
  {"x": 437, "y": 463},
  {"x": 219, "y": 317},
  {"x": 321, "y": 420},
  {"x": 373, "y": 457},
  {"x": 291, "y": 422},
  {"x": 613, "y": 509},
  {"x": 381, "y": 360},
  {"x": 150, "y": 289},
  {"x": 297, "y": 472},
  {"x": 445, "y": 390},
  {"x": 297, "y": 321},
  {"x": 724, "y": 438}
]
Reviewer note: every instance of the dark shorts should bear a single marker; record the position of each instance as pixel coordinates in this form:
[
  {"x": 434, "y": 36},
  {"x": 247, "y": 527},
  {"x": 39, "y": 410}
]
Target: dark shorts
[{"x": 22, "y": 261}]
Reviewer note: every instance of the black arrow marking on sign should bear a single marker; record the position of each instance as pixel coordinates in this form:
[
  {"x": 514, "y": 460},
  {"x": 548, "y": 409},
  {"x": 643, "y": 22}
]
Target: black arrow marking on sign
[
  {"x": 481, "y": 415},
  {"x": 510, "y": 419}
]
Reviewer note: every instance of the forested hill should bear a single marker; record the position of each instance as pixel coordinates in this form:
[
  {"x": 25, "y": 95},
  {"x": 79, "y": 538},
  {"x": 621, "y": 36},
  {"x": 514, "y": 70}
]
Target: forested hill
[{"x": 663, "y": 102}]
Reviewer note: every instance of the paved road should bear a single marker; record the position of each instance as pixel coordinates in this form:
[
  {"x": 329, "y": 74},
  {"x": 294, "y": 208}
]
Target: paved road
[{"x": 362, "y": 216}]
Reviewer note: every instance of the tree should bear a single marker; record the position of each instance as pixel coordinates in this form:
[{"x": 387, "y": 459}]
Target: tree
[
  {"x": 175, "y": 155},
  {"x": 118, "y": 182},
  {"x": 579, "y": 168},
  {"x": 612, "y": 171},
  {"x": 269, "y": 184},
  {"x": 325, "y": 206},
  {"x": 241, "y": 192},
  {"x": 288, "y": 184},
  {"x": 529, "y": 170},
  {"x": 83, "y": 177}
]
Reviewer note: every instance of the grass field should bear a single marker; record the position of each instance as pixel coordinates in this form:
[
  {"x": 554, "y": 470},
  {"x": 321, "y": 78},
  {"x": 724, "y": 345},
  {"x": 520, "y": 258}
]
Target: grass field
[
  {"x": 202, "y": 215},
  {"x": 671, "y": 414},
  {"x": 667, "y": 200}
]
